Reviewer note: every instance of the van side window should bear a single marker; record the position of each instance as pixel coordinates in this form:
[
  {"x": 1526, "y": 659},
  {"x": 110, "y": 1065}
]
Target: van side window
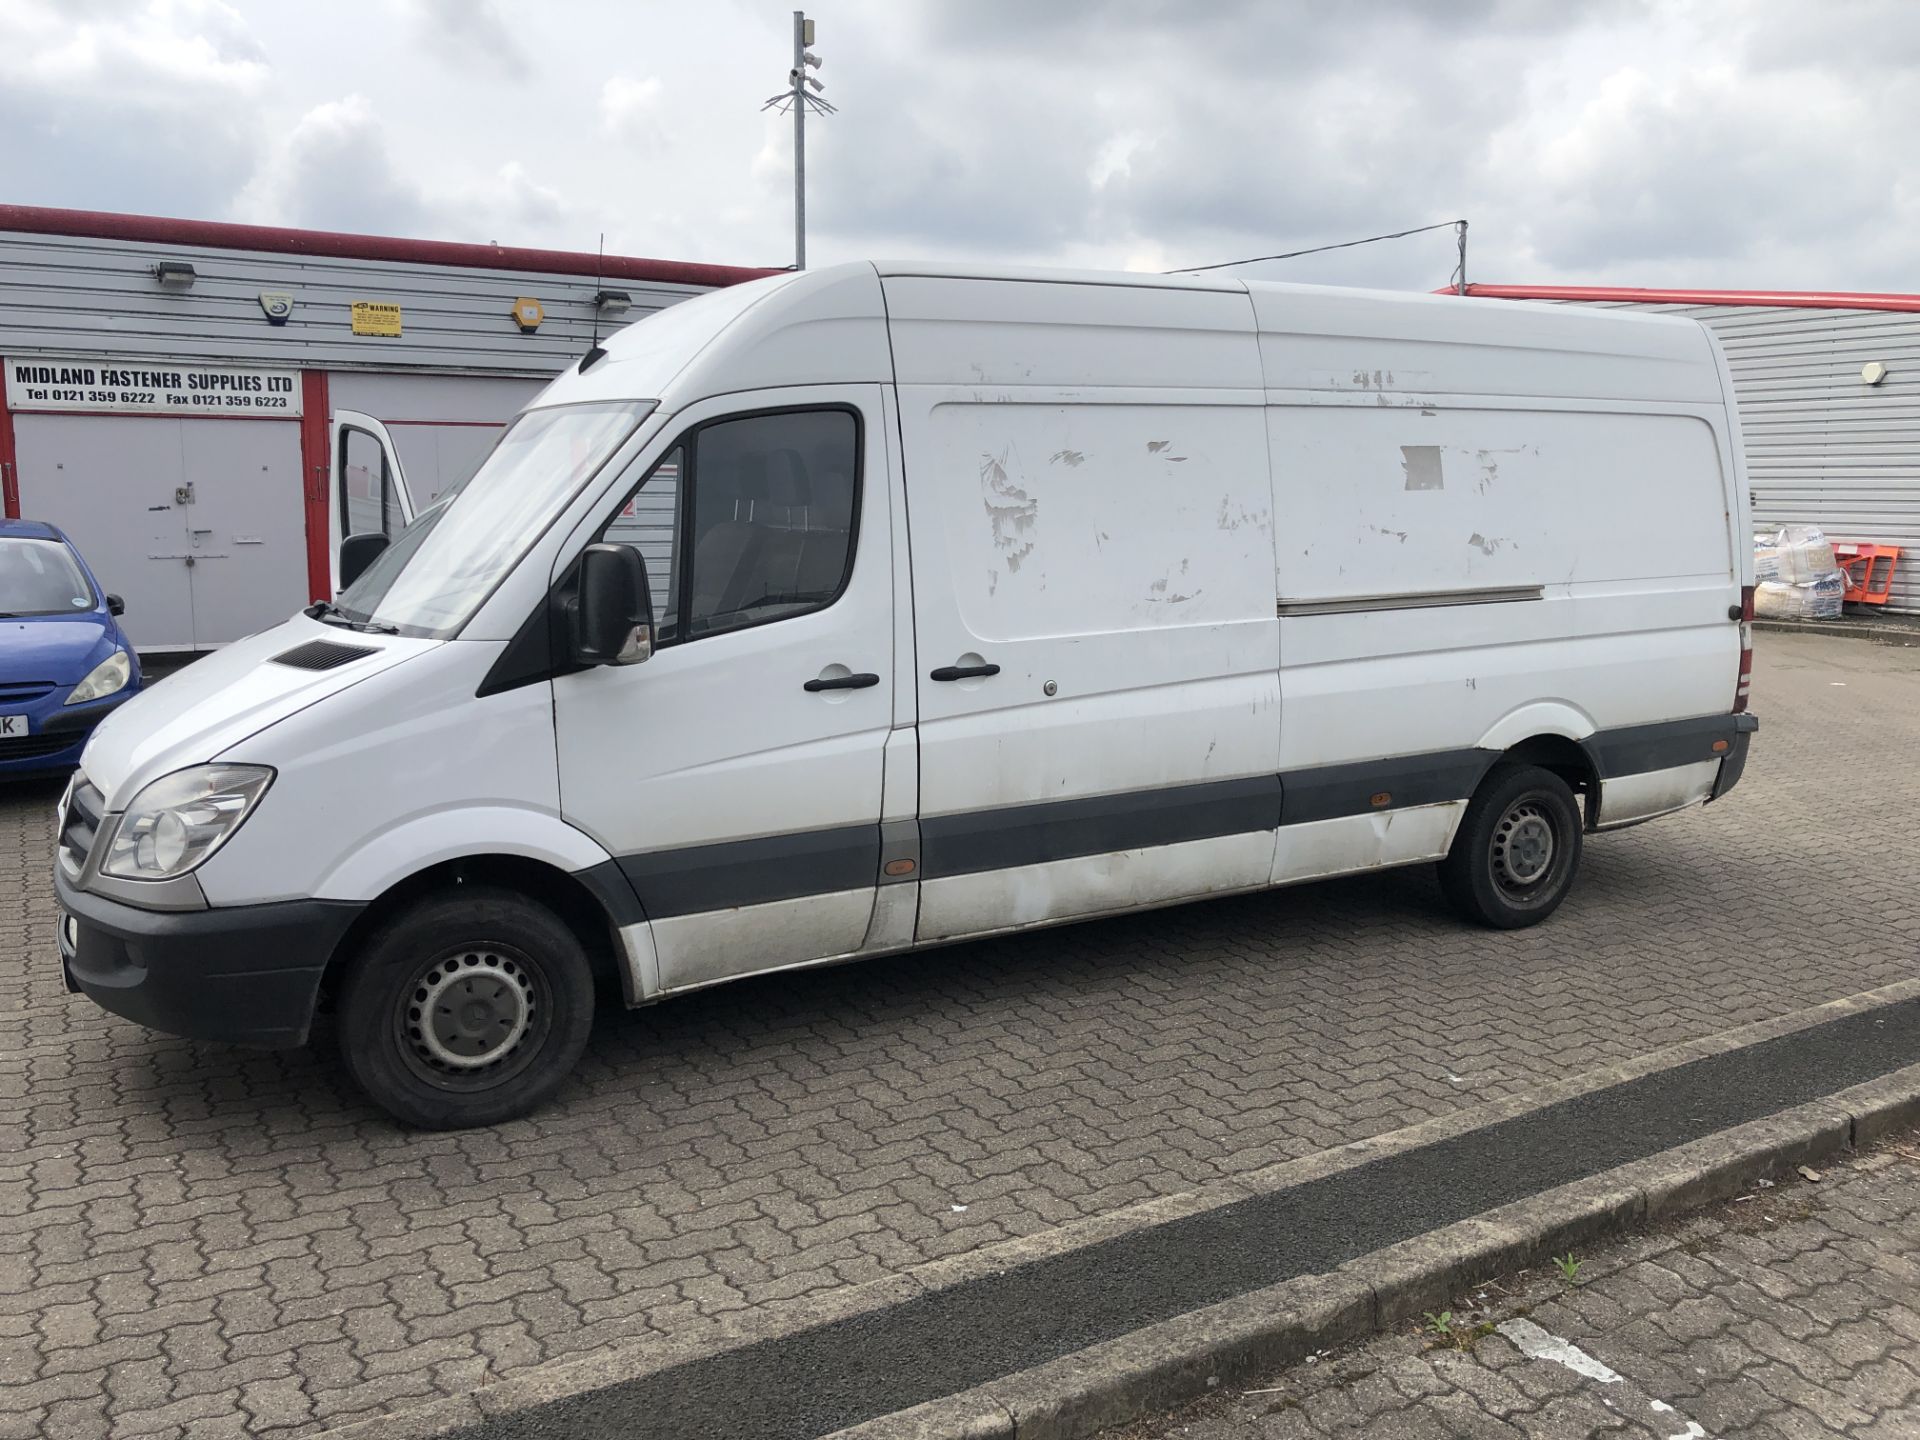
[
  {"x": 773, "y": 508},
  {"x": 747, "y": 521}
]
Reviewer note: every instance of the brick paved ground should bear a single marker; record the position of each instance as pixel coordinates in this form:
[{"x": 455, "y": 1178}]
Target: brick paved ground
[
  {"x": 1794, "y": 1312},
  {"x": 198, "y": 1238}
]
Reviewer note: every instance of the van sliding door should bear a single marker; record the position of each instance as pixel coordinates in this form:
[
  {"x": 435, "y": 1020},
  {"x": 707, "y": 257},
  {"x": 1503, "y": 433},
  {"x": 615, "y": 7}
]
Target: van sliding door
[{"x": 1093, "y": 602}]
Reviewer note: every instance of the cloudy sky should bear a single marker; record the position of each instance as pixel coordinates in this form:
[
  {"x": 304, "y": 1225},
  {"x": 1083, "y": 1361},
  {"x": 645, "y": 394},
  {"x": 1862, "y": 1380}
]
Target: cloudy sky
[{"x": 1705, "y": 142}]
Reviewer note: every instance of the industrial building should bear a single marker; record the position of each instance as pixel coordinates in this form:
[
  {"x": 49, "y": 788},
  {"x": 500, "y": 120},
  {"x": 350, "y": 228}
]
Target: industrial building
[
  {"x": 206, "y": 408},
  {"x": 1829, "y": 394}
]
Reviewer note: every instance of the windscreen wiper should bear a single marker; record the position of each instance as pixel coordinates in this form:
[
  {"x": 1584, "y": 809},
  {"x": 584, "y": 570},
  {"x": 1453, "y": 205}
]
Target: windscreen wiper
[{"x": 329, "y": 613}]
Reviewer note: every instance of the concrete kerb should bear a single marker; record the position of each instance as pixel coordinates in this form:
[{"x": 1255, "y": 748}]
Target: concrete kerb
[
  {"x": 1885, "y": 631},
  {"x": 1267, "y": 1329},
  {"x": 1253, "y": 1335}
]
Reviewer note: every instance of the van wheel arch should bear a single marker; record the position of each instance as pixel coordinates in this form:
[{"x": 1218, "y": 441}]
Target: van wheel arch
[
  {"x": 1571, "y": 760},
  {"x": 575, "y": 905}
]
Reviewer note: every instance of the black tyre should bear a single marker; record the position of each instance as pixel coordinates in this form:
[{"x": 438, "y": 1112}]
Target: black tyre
[
  {"x": 1517, "y": 850},
  {"x": 465, "y": 1009}
]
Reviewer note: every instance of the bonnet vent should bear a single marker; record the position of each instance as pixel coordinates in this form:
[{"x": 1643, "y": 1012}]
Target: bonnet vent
[{"x": 323, "y": 655}]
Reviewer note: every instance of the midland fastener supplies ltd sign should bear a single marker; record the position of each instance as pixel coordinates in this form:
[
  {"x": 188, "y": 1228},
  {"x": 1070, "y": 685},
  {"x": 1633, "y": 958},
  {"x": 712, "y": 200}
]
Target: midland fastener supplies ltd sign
[{"x": 153, "y": 387}]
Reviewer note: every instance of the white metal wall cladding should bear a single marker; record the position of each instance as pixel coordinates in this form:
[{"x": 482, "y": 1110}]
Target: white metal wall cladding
[
  {"x": 1822, "y": 446},
  {"x": 66, "y": 294}
]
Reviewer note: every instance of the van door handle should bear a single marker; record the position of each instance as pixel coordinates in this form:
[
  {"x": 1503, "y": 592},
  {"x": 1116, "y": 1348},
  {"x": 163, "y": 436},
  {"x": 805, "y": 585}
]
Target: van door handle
[
  {"x": 841, "y": 682},
  {"x": 963, "y": 672}
]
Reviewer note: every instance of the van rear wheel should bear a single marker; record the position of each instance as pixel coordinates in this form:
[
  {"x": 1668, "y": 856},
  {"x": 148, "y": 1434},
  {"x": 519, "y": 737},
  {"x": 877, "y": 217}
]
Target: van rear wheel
[
  {"x": 1517, "y": 850},
  {"x": 467, "y": 1008}
]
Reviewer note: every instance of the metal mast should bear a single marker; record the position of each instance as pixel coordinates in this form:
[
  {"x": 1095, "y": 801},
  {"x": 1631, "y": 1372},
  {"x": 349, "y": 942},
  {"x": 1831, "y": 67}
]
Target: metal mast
[{"x": 796, "y": 99}]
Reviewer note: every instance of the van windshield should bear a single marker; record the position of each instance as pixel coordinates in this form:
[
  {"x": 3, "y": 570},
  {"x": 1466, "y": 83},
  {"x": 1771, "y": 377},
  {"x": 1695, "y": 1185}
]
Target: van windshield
[{"x": 440, "y": 569}]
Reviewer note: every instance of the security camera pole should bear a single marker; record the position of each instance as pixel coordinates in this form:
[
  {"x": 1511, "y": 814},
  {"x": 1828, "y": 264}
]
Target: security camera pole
[{"x": 797, "y": 99}]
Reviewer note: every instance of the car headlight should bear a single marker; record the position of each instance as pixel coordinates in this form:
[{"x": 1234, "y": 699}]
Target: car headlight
[
  {"x": 104, "y": 679},
  {"x": 180, "y": 819}
]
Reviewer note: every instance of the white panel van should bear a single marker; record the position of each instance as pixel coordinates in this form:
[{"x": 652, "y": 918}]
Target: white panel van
[{"x": 846, "y": 612}]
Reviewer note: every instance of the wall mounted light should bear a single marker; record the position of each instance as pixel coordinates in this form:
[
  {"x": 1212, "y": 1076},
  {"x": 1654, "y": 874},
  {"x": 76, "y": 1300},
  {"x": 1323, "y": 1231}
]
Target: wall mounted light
[
  {"x": 612, "y": 302},
  {"x": 174, "y": 275},
  {"x": 1873, "y": 372}
]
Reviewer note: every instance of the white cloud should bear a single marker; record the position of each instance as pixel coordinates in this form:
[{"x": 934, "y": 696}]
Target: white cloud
[
  {"x": 336, "y": 170},
  {"x": 1721, "y": 142},
  {"x": 630, "y": 109},
  {"x": 466, "y": 32},
  {"x": 161, "y": 100}
]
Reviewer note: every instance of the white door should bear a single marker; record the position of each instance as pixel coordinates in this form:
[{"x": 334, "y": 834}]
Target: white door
[
  {"x": 1093, "y": 601},
  {"x": 245, "y": 525},
  {"x": 737, "y": 774},
  {"x": 369, "y": 494}
]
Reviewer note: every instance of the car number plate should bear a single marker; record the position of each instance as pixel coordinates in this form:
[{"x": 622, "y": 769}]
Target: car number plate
[{"x": 11, "y": 725}]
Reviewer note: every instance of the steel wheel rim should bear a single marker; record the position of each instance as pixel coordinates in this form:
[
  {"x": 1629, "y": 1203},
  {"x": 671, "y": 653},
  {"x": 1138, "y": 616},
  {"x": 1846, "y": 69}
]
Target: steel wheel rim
[
  {"x": 472, "y": 1016},
  {"x": 1526, "y": 845}
]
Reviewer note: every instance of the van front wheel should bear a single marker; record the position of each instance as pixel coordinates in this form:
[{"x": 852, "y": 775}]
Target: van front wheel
[
  {"x": 1515, "y": 854},
  {"x": 467, "y": 1008}
]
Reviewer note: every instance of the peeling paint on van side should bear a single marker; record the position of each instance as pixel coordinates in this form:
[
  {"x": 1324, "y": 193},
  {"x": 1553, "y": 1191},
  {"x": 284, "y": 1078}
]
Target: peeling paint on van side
[
  {"x": 1422, "y": 466},
  {"x": 1011, "y": 511}
]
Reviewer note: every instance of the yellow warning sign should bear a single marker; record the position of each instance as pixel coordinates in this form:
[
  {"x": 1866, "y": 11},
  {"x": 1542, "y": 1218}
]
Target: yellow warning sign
[{"x": 376, "y": 317}]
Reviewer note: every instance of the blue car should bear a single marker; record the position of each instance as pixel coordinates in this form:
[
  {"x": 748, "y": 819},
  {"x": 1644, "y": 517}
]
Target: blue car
[{"x": 64, "y": 662}]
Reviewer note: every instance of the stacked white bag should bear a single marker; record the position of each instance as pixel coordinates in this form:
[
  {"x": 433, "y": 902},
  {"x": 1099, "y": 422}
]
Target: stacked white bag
[{"x": 1797, "y": 577}]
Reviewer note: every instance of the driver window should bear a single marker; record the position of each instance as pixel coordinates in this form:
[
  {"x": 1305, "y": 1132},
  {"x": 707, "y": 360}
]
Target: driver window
[{"x": 746, "y": 521}]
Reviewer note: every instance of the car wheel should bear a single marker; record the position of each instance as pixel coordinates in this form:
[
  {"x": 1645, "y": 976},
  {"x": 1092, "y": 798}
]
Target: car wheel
[
  {"x": 1517, "y": 850},
  {"x": 467, "y": 1008}
]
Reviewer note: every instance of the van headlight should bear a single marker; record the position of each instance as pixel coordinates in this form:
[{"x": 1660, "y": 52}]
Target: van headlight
[
  {"x": 110, "y": 675},
  {"x": 180, "y": 819}
]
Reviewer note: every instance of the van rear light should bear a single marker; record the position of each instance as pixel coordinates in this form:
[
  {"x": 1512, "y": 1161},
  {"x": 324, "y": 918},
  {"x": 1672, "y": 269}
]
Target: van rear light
[{"x": 1744, "y": 683}]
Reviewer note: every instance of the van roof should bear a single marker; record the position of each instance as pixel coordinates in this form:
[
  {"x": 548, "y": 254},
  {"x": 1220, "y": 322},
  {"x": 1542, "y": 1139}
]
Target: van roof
[{"x": 831, "y": 326}]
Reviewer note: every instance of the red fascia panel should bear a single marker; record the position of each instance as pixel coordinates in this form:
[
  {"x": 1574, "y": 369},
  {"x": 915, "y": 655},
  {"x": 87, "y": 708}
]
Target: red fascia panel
[
  {"x": 9, "y": 462},
  {"x": 316, "y": 465},
  {"x": 155, "y": 230},
  {"x": 1803, "y": 299}
]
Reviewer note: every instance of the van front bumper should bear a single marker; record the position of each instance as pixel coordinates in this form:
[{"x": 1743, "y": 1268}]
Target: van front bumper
[{"x": 245, "y": 974}]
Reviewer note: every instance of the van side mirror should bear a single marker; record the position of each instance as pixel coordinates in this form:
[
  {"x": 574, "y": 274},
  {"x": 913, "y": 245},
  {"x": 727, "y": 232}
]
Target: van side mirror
[
  {"x": 115, "y": 605},
  {"x": 613, "y": 612},
  {"x": 357, "y": 552}
]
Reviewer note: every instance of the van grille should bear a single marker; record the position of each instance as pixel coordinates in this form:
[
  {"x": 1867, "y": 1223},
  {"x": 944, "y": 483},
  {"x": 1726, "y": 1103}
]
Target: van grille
[
  {"x": 85, "y": 806},
  {"x": 323, "y": 655}
]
